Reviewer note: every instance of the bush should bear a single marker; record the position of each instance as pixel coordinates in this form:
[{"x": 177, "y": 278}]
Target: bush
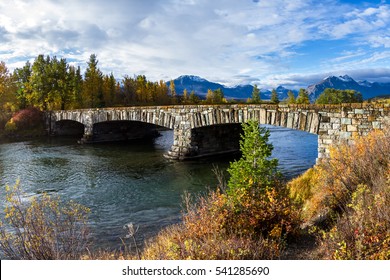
[
  {"x": 10, "y": 127},
  {"x": 28, "y": 118},
  {"x": 350, "y": 194},
  {"x": 212, "y": 230},
  {"x": 42, "y": 228}
]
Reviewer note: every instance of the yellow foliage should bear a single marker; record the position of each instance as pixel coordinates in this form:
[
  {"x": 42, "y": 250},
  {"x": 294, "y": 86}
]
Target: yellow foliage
[
  {"x": 351, "y": 192},
  {"x": 42, "y": 228}
]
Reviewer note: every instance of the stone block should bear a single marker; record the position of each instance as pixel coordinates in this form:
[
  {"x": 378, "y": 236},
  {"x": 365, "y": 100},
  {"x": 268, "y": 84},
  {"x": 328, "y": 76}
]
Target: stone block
[
  {"x": 336, "y": 126},
  {"x": 325, "y": 126},
  {"x": 376, "y": 125},
  {"x": 346, "y": 121},
  {"x": 352, "y": 128},
  {"x": 359, "y": 111},
  {"x": 345, "y": 135},
  {"x": 335, "y": 120}
]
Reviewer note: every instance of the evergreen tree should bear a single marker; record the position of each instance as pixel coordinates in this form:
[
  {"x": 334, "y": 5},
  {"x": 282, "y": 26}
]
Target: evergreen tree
[
  {"x": 193, "y": 99},
  {"x": 218, "y": 96},
  {"x": 254, "y": 169},
  {"x": 256, "y": 95},
  {"x": 303, "y": 97},
  {"x": 291, "y": 97},
  {"x": 75, "y": 87},
  {"x": 109, "y": 89},
  {"x": 274, "y": 97},
  {"x": 93, "y": 84}
]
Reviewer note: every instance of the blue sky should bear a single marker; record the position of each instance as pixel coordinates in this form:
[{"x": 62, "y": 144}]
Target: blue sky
[{"x": 270, "y": 43}]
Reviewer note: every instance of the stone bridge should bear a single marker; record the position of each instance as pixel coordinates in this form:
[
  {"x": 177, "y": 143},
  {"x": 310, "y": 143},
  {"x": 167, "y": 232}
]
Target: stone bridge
[{"x": 201, "y": 130}]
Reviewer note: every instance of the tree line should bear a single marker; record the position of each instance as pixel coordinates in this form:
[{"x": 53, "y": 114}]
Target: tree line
[{"x": 50, "y": 83}]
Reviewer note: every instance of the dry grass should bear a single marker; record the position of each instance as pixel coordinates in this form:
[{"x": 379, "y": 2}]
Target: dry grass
[{"x": 347, "y": 199}]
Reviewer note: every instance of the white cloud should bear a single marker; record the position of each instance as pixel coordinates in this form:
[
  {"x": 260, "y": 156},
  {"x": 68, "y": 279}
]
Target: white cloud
[{"x": 235, "y": 41}]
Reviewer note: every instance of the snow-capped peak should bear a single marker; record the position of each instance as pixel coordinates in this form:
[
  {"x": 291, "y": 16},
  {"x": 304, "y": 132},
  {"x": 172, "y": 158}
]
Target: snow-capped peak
[
  {"x": 192, "y": 77},
  {"x": 345, "y": 78}
]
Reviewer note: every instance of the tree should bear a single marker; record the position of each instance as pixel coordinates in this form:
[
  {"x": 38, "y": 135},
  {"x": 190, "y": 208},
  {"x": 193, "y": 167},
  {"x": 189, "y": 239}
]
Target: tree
[
  {"x": 93, "y": 84},
  {"x": 141, "y": 90},
  {"x": 256, "y": 95},
  {"x": 218, "y": 96},
  {"x": 109, "y": 89},
  {"x": 76, "y": 87},
  {"x": 22, "y": 78},
  {"x": 303, "y": 97},
  {"x": 291, "y": 97},
  {"x": 254, "y": 169},
  {"x": 185, "y": 96},
  {"x": 39, "y": 83},
  {"x": 336, "y": 96},
  {"x": 274, "y": 97},
  {"x": 193, "y": 99},
  {"x": 215, "y": 96},
  {"x": 59, "y": 78},
  {"x": 7, "y": 97},
  {"x": 172, "y": 91}
]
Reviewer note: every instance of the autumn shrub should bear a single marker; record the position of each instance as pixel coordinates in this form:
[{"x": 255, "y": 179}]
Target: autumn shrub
[
  {"x": 212, "y": 230},
  {"x": 250, "y": 220},
  {"x": 28, "y": 118},
  {"x": 42, "y": 228},
  {"x": 347, "y": 199},
  {"x": 363, "y": 230}
]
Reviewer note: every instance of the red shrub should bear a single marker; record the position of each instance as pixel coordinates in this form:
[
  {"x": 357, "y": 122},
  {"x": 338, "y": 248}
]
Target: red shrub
[{"x": 28, "y": 118}]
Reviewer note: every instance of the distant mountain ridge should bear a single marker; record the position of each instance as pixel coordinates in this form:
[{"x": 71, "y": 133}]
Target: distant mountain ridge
[
  {"x": 366, "y": 88},
  {"x": 200, "y": 86}
]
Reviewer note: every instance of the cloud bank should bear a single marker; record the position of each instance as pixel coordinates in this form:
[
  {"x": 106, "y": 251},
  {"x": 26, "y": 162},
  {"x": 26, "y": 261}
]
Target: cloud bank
[{"x": 265, "y": 42}]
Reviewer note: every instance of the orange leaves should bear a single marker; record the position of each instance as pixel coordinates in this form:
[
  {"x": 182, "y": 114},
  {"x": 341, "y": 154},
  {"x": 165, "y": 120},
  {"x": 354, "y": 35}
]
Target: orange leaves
[
  {"x": 42, "y": 228},
  {"x": 352, "y": 191}
]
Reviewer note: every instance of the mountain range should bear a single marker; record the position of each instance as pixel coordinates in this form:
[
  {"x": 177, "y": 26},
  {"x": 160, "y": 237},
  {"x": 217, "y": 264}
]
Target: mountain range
[{"x": 200, "y": 86}]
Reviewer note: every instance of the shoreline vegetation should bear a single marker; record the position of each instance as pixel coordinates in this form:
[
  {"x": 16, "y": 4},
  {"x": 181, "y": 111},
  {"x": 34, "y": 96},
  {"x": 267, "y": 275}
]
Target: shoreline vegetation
[{"x": 339, "y": 209}]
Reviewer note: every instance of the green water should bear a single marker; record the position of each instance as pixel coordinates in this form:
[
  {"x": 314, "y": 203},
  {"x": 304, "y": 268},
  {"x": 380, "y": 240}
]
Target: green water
[{"x": 123, "y": 183}]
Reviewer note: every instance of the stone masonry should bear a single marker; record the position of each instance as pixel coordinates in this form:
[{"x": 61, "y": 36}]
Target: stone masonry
[{"x": 332, "y": 123}]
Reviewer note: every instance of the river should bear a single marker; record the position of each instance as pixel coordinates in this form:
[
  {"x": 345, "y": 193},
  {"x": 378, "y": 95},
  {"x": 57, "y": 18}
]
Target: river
[{"x": 123, "y": 183}]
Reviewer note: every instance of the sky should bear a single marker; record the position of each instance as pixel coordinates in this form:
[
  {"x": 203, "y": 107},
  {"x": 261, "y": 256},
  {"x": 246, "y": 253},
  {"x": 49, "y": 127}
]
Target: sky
[{"x": 264, "y": 42}]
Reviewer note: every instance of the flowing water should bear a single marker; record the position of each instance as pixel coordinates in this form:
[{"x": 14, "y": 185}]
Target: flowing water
[{"x": 133, "y": 182}]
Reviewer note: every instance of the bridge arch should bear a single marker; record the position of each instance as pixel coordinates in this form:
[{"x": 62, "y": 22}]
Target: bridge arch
[
  {"x": 122, "y": 130},
  {"x": 69, "y": 128}
]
